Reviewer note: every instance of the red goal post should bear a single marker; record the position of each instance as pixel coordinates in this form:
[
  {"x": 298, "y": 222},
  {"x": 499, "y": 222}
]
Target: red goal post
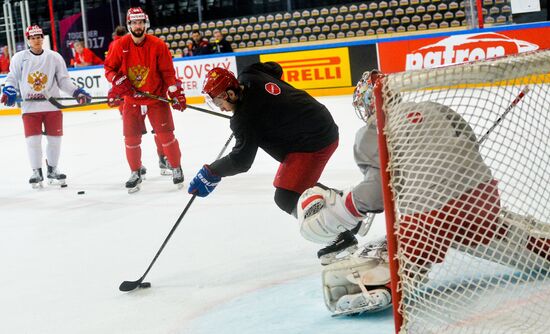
[{"x": 465, "y": 167}]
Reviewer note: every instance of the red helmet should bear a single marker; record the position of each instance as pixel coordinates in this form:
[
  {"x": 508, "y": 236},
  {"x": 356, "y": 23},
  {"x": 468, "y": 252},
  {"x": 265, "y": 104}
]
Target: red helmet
[
  {"x": 33, "y": 30},
  {"x": 136, "y": 14},
  {"x": 219, "y": 80}
]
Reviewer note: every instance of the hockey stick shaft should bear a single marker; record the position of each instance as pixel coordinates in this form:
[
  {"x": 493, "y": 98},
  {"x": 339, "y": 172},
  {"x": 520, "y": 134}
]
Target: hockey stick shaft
[
  {"x": 514, "y": 103},
  {"x": 131, "y": 285},
  {"x": 160, "y": 98},
  {"x": 19, "y": 99},
  {"x": 57, "y": 104}
]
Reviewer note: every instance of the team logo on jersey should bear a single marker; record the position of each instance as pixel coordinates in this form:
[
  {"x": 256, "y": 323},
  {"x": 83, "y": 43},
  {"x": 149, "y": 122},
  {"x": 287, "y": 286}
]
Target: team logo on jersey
[
  {"x": 272, "y": 88},
  {"x": 415, "y": 117},
  {"x": 37, "y": 80},
  {"x": 138, "y": 75}
]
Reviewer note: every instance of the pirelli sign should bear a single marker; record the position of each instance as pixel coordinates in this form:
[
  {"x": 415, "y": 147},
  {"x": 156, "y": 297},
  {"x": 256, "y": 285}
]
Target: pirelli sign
[{"x": 328, "y": 68}]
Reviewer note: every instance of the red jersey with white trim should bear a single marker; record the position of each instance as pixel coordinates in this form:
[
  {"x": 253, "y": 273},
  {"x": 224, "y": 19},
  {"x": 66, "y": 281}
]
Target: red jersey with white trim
[{"x": 148, "y": 65}]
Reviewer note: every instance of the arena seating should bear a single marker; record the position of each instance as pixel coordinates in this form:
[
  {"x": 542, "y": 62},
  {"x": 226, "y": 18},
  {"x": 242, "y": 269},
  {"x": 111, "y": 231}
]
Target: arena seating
[{"x": 335, "y": 23}]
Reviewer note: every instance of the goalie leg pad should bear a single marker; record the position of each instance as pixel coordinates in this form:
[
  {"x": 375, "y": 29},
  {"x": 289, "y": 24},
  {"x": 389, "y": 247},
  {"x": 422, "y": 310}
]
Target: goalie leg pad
[
  {"x": 324, "y": 214},
  {"x": 351, "y": 285}
]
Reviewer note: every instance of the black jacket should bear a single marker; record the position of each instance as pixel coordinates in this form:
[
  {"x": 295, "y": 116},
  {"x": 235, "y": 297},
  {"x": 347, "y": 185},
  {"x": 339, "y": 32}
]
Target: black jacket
[
  {"x": 222, "y": 46},
  {"x": 281, "y": 122}
]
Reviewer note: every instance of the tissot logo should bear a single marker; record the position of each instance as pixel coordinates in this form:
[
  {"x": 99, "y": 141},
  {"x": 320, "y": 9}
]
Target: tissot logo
[
  {"x": 464, "y": 48},
  {"x": 313, "y": 69}
]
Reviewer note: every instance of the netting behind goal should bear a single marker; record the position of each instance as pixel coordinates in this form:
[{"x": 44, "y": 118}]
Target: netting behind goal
[{"x": 466, "y": 151}]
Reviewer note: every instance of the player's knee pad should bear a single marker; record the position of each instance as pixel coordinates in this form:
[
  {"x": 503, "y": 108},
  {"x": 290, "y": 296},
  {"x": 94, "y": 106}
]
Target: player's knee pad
[
  {"x": 325, "y": 213},
  {"x": 132, "y": 141},
  {"x": 286, "y": 200},
  {"x": 358, "y": 283}
]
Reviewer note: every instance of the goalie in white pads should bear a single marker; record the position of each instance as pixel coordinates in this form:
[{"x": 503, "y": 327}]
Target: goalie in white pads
[{"x": 454, "y": 201}]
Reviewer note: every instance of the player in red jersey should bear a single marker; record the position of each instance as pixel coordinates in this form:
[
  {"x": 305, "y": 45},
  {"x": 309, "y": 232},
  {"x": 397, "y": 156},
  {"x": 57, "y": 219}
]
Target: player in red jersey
[{"x": 139, "y": 63}]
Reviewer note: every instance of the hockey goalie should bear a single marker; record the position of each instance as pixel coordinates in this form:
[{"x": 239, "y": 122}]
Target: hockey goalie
[{"x": 451, "y": 202}]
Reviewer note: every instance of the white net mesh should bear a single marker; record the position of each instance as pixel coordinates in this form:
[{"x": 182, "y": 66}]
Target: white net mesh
[{"x": 470, "y": 178}]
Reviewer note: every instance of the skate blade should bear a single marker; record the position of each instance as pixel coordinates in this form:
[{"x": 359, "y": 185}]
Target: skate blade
[
  {"x": 338, "y": 256},
  {"x": 165, "y": 172},
  {"x": 134, "y": 189},
  {"x": 37, "y": 185},
  {"x": 179, "y": 186},
  {"x": 54, "y": 182}
]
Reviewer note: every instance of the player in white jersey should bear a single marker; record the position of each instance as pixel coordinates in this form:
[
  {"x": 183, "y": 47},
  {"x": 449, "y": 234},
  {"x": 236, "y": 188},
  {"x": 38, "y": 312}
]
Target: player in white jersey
[{"x": 38, "y": 74}]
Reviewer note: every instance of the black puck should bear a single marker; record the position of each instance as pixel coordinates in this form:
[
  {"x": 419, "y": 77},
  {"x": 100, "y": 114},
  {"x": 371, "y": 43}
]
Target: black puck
[
  {"x": 63, "y": 186},
  {"x": 145, "y": 285},
  {"x": 81, "y": 192}
]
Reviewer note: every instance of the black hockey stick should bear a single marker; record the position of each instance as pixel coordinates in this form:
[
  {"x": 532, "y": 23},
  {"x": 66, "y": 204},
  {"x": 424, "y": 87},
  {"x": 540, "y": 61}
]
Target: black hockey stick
[
  {"x": 19, "y": 99},
  {"x": 514, "y": 103},
  {"x": 57, "y": 104},
  {"x": 160, "y": 98},
  {"x": 132, "y": 285}
]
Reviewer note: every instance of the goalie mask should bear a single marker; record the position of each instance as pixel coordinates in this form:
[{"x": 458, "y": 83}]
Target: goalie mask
[{"x": 363, "y": 98}]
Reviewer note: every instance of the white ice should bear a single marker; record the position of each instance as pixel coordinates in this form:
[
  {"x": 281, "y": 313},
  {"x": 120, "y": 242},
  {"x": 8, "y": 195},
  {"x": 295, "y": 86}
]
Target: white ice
[{"x": 236, "y": 263}]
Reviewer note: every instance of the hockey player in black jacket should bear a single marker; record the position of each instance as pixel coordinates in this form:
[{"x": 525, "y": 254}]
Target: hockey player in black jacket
[{"x": 268, "y": 113}]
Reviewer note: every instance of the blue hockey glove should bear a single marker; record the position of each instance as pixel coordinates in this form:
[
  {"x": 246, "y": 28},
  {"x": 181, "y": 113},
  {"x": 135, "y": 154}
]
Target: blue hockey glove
[
  {"x": 204, "y": 183},
  {"x": 9, "y": 95},
  {"x": 81, "y": 96}
]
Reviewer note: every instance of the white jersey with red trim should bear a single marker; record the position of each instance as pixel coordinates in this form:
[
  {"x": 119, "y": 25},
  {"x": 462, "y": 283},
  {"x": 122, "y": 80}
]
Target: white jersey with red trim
[{"x": 38, "y": 77}]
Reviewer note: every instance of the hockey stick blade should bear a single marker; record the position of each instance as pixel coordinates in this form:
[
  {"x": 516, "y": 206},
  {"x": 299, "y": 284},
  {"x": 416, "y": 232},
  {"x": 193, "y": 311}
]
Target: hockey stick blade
[{"x": 130, "y": 285}]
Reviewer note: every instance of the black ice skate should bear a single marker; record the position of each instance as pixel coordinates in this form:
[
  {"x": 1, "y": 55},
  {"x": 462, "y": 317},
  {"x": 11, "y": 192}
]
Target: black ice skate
[
  {"x": 36, "y": 178},
  {"x": 164, "y": 165},
  {"x": 56, "y": 178},
  {"x": 344, "y": 243},
  {"x": 177, "y": 177},
  {"x": 133, "y": 184},
  {"x": 142, "y": 172}
]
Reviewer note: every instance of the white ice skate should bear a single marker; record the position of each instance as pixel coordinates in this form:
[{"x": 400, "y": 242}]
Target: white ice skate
[
  {"x": 55, "y": 178},
  {"x": 36, "y": 178}
]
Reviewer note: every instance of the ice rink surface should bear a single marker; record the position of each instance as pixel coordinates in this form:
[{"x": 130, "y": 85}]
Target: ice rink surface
[{"x": 236, "y": 263}]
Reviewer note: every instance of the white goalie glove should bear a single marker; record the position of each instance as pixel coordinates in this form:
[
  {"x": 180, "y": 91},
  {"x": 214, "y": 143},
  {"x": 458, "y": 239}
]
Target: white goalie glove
[
  {"x": 357, "y": 284},
  {"x": 325, "y": 213}
]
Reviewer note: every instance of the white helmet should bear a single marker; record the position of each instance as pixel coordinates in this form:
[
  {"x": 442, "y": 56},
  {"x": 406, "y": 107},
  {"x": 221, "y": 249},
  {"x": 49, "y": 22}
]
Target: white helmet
[
  {"x": 136, "y": 14},
  {"x": 363, "y": 100}
]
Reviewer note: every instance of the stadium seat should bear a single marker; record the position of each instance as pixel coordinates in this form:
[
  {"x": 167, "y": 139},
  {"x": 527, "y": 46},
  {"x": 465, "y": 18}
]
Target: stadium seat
[
  {"x": 324, "y": 11},
  {"x": 172, "y": 29},
  {"x": 364, "y": 24},
  {"x": 388, "y": 13},
  {"x": 253, "y": 20},
  {"x": 314, "y": 13},
  {"x": 306, "y": 13},
  {"x": 162, "y": 37},
  {"x": 437, "y": 17},
  {"x": 321, "y": 37},
  {"x": 188, "y": 28},
  {"x": 301, "y": 23},
  {"x": 410, "y": 11},
  {"x": 395, "y": 21},
  {"x": 380, "y": 31},
  {"x": 307, "y": 30},
  {"x": 378, "y": 14},
  {"x": 411, "y": 27},
  {"x": 242, "y": 45},
  {"x": 373, "y": 6},
  {"x": 296, "y": 15},
  {"x": 405, "y": 20},
  {"x": 257, "y": 27},
  {"x": 420, "y": 9},
  {"x": 279, "y": 33},
  {"x": 224, "y": 31},
  {"x": 266, "y": 26},
  {"x": 384, "y": 23},
  {"x": 369, "y": 15},
  {"x": 426, "y": 18},
  {"x": 335, "y": 27},
  {"x": 312, "y": 38},
  {"x": 333, "y": 10},
  {"x": 371, "y": 32},
  {"x": 360, "y": 33},
  {"x": 401, "y": 29},
  {"x": 431, "y": 8},
  {"x": 287, "y": 16},
  {"x": 267, "y": 42},
  {"x": 316, "y": 29},
  {"x": 292, "y": 24},
  {"x": 232, "y": 30},
  {"x": 302, "y": 39},
  {"x": 275, "y": 25},
  {"x": 181, "y": 44},
  {"x": 245, "y": 37},
  {"x": 344, "y": 27},
  {"x": 244, "y": 21},
  {"x": 249, "y": 28},
  {"x": 311, "y": 22},
  {"x": 271, "y": 34},
  {"x": 237, "y": 38},
  {"x": 293, "y": 39},
  {"x": 353, "y": 8},
  {"x": 258, "y": 43},
  {"x": 403, "y": 3},
  {"x": 444, "y": 25},
  {"x": 422, "y": 26},
  {"x": 399, "y": 12},
  {"x": 331, "y": 36},
  {"x": 455, "y": 23},
  {"x": 298, "y": 31},
  {"x": 240, "y": 29},
  {"x": 236, "y": 22},
  {"x": 393, "y": 4},
  {"x": 359, "y": 16},
  {"x": 254, "y": 36},
  {"x": 269, "y": 18},
  {"x": 165, "y": 30},
  {"x": 158, "y": 31},
  {"x": 212, "y": 24},
  {"x": 249, "y": 44},
  {"x": 448, "y": 15},
  {"x": 278, "y": 17},
  {"x": 390, "y": 30},
  {"x": 433, "y": 25},
  {"x": 261, "y": 19},
  {"x": 363, "y": 7},
  {"x": 383, "y": 5},
  {"x": 195, "y": 26},
  {"x": 288, "y": 32},
  {"x": 284, "y": 25},
  {"x": 374, "y": 23},
  {"x": 234, "y": 46},
  {"x": 203, "y": 25},
  {"x": 177, "y": 36},
  {"x": 320, "y": 20}
]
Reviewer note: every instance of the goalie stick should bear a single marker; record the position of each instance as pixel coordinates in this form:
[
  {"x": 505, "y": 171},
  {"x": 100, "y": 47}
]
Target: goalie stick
[
  {"x": 518, "y": 98},
  {"x": 132, "y": 285}
]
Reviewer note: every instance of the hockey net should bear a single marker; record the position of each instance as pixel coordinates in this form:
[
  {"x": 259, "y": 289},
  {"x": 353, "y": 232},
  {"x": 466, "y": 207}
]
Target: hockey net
[{"x": 465, "y": 150}]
